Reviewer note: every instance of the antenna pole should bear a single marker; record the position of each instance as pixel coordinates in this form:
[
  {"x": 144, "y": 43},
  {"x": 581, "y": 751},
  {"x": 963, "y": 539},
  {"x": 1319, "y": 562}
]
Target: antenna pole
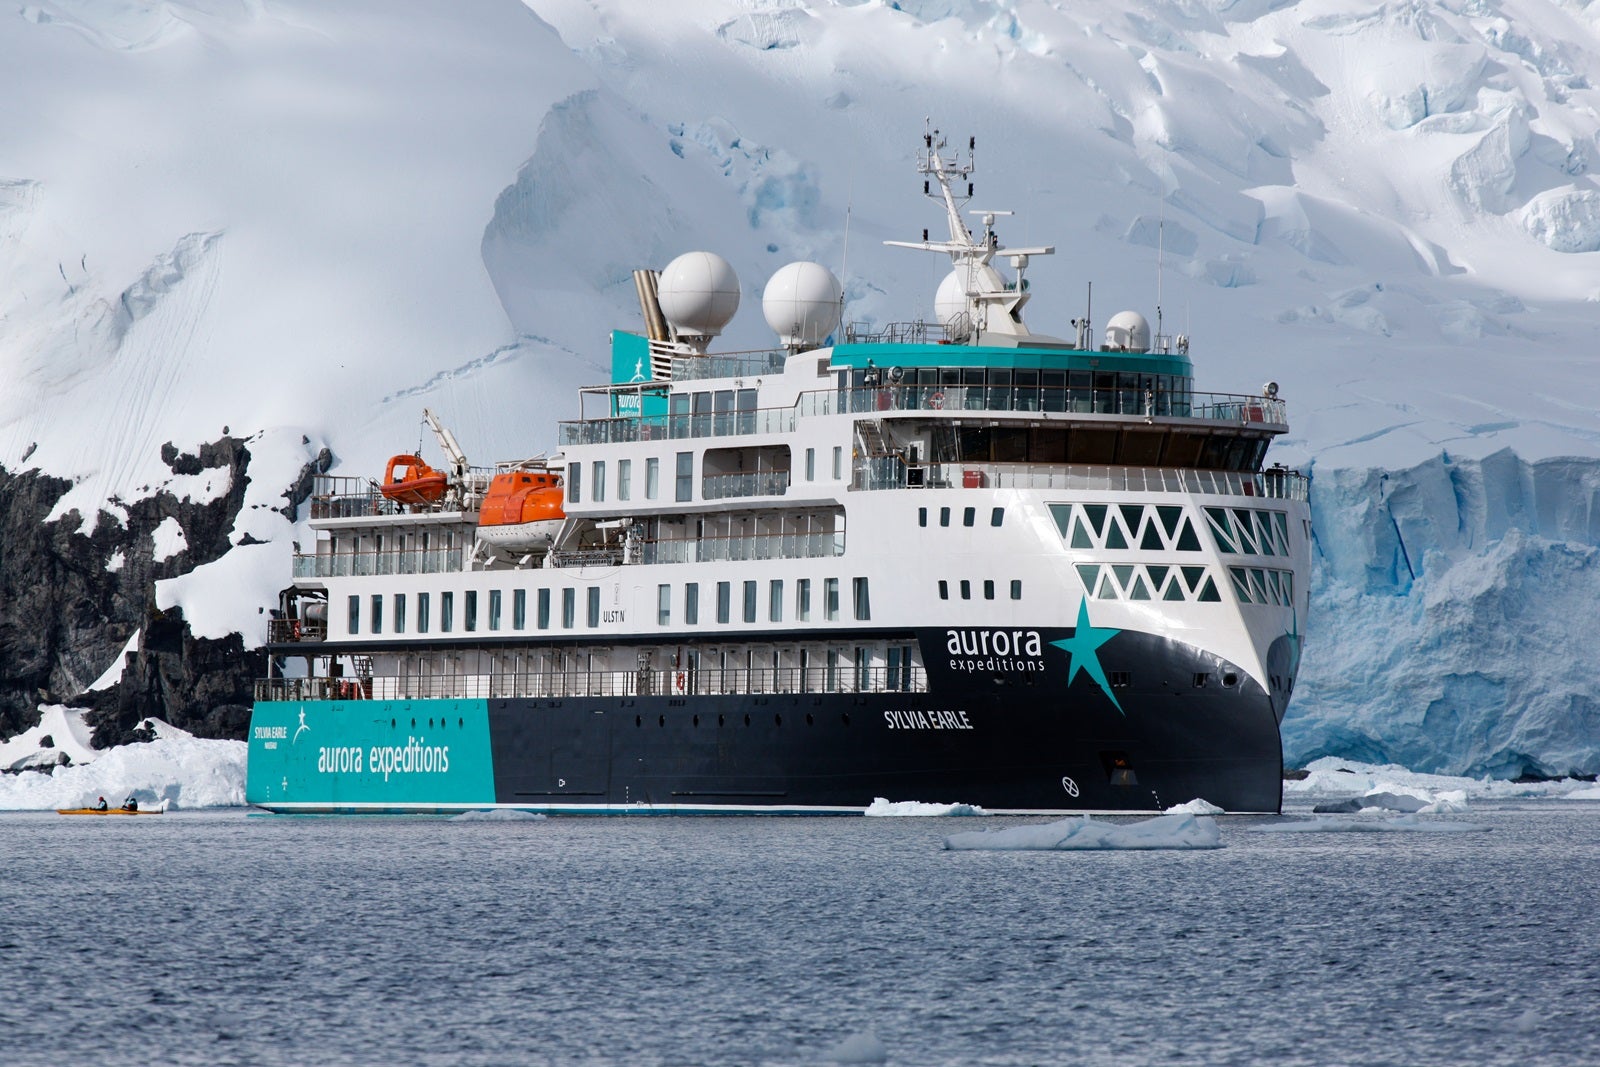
[{"x": 1161, "y": 240}]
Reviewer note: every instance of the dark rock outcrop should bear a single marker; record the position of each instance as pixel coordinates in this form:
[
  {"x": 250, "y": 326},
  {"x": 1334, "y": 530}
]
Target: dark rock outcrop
[{"x": 70, "y": 599}]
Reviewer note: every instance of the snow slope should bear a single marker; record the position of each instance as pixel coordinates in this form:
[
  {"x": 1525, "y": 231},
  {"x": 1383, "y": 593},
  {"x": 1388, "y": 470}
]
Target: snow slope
[{"x": 304, "y": 222}]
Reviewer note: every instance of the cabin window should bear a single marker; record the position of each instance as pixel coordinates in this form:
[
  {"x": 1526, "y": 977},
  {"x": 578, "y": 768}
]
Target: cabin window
[
  {"x": 355, "y": 615},
  {"x": 377, "y": 613},
  {"x": 863, "y": 605},
  {"x": 663, "y": 605},
  {"x": 447, "y": 612},
  {"x": 944, "y": 516},
  {"x": 422, "y": 613},
  {"x": 652, "y": 478},
  {"x": 811, "y": 464},
  {"x": 691, "y": 604},
  {"x": 594, "y": 606},
  {"x": 802, "y": 600},
  {"x": 969, "y": 516},
  {"x": 575, "y": 482},
  {"x": 838, "y": 462},
  {"x": 997, "y": 516},
  {"x": 544, "y": 609},
  {"x": 599, "y": 480},
  {"x": 775, "y": 601},
  {"x": 685, "y": 476},
  {"x": 569, "y": 608},
  {"x": 988, "y": 589},
  {"x": 472, "y": 610},
  {"x": 399, "y": 613},
  {"x": 966, "y": 589},
  {"x": 624, "y": 477},
  {"x": 944, "y": 589},
  {"x": 724, "y": 601},
  {"x": 830, "y": 599},
  {"x": 494, "y": 609},
  {"x": 749, "y": 601},
  {"x": 922, "y": 516},
  {"x": 1016, "y": 589},
  {"x": 519, "y": 609}
]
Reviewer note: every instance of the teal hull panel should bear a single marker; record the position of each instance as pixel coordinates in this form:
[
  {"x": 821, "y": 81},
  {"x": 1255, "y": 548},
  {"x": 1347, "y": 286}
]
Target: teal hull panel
[{"x": 370, "y": 755}]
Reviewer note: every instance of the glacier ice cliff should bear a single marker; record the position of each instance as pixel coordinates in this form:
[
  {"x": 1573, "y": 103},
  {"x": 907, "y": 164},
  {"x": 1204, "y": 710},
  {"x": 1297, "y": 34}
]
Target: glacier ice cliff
[{"x": 1452, "y": 618}]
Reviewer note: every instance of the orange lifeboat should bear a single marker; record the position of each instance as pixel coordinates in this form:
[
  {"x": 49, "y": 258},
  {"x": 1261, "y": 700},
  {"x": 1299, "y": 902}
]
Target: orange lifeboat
[
  {"x": 522, "y": 511},
  {"x": 408, "y": 480}
]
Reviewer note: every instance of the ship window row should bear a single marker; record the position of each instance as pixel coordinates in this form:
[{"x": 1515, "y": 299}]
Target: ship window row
[
  {"x": 964, "y": 588},
  {"x": 492, "y": 617},
  {"x": 1149, "y": 527},
  {"x": 1263, "y": 585},
  {"x": 1140, "y": 581},
  {"x": 969, "y": 516},
  {"x": 1250, "y": 531},
  {"x": 755, "y": 606},
  {"x": 769, "y": 478}
]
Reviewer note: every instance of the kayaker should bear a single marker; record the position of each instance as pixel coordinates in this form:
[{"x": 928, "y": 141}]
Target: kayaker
[
  {"x": 101, "y": 806},
  {"x": 131, "y": 804}
]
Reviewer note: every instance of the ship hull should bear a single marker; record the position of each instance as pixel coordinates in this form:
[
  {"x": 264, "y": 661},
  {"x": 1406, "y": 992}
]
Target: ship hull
[{"x": 1011, "y": 732}]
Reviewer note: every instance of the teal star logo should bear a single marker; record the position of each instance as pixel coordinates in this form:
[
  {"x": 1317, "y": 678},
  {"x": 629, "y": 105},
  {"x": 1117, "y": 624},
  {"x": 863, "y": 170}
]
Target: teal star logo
[{"x": 1084, "y": 649}]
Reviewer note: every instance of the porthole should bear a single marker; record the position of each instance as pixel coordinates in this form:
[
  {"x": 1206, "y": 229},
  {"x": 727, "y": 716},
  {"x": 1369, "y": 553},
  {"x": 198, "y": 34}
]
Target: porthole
[
  {"x": 461, "y": 723},
  {"x": 661, "y": 720},
  {"x": 777, "y": 720},
  {"x": 638, "y": 720},
  {"x": 1230, "y": 680},
  {"x": 846, "y": 718},
  {"x": 809, "y": 720},
  {"x": 413, "y": 724},
  {"x": 697, "y": 720},
  {"x": 747, "y": 719},
  {"x": 392, "y": 724},
  {"x": 721, "y": 721}
]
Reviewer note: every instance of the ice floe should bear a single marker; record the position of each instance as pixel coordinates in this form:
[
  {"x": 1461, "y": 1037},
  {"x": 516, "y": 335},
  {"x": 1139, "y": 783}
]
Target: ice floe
[
  {"x": 916, "y": 808},
  {"x": 1197, "y": 806},
  {"x": 1161, "y": 832}
]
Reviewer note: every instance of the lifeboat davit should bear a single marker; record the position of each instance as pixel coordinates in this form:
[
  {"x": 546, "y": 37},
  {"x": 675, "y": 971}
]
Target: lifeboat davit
[
  {"x": 408, "y": 480},
  {"x": 522, "y": 511}
]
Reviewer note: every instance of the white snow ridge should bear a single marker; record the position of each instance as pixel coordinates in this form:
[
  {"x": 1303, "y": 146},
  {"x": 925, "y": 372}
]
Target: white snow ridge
[{"x": 1086, "y": 834}]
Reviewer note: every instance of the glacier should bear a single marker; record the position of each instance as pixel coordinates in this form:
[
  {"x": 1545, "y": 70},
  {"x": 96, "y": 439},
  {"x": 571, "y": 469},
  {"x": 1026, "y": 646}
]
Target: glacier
[{"x": 294, "y": 226}]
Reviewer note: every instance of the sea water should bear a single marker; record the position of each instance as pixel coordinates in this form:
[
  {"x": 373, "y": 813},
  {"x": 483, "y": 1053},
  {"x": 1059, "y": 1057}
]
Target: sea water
[{"x": 217, "y": 938}]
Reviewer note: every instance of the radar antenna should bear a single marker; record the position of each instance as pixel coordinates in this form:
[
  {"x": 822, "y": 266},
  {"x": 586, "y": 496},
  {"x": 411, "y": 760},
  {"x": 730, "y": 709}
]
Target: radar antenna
[{"x": 984, "y": 289}]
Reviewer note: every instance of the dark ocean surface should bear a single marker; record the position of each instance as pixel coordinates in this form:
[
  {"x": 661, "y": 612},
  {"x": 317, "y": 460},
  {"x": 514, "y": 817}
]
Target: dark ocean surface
[{"x": 217, "y": 938}]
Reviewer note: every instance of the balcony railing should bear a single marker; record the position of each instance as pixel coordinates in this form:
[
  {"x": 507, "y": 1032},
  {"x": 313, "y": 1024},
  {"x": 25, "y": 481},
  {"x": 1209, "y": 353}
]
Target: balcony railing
[
  {"x": 890, "y": 472},
  {"x": 749, "y": 547},
  {"x": 1156, "y": 403},
  {"x": 844, "y": 678},
  {"x": 674, "y": 427},
  {"x": 366, "y": 564},
  {"x": 744, "y": 483}
]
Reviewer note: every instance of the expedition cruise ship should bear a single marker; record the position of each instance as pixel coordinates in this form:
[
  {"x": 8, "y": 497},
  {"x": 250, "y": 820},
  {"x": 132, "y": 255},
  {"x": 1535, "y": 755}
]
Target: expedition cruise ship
[{"x": 953, "y": 561}]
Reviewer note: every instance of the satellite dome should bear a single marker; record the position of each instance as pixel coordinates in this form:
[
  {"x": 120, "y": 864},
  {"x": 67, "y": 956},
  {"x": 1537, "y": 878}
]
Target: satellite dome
[
  {"x": 951, "y": 307},
  {"x": 801, "y": 303},
  {"x": 1128, "y": 331},
  {"x": 698, "y": 293}
]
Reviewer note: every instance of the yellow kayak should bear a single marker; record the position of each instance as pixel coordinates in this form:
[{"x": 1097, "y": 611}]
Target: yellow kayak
[{"x": 107, "y": 811}]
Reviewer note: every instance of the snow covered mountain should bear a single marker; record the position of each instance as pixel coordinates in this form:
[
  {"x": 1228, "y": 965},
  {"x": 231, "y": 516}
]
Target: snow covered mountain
[{"x": 296, "y": 224}]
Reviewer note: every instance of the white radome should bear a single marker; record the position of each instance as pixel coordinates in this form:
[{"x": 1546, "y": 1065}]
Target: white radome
[
  {"x": 1128, "y": 331},
  {"x": 802, "y": 303},
  {"x": 699, "y": 293},
  {"x": 952, "y": 309}
]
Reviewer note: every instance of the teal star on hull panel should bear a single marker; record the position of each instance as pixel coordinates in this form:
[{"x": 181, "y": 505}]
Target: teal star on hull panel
[{"x": 1084, "y": 649}]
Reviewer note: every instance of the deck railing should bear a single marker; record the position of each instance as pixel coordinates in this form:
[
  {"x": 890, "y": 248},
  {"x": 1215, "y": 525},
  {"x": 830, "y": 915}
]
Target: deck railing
[
  {"x": 747, "y": 547},
  {"x": 891, "y": 472},
  {"x": 366, "y": 564},
  {"x": 843, "y": 678},
  {"x": 744, "y": 483}
]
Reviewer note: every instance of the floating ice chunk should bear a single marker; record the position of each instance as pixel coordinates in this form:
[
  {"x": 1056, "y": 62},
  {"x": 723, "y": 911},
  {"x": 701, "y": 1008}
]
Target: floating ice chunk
[
  {"x": 498, "y": 815},
  {"x": 1197, "y": 806},
  {"x": 1164, "y": 831},
  {"x": 858, "y": 1048},
  {"x": 1449, "y": 803},
  {"x": 176, "y": 772},
  {"x": 916, "y": 808},
  {"x": 1399, "y": 824}
]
